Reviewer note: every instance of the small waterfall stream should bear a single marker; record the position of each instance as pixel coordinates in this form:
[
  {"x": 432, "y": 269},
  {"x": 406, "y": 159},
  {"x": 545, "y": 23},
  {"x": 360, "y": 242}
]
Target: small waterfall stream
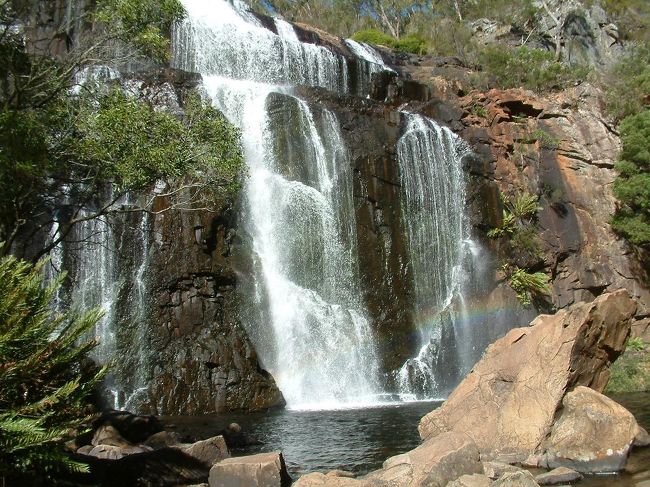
[{"x": 439, "y": 247}]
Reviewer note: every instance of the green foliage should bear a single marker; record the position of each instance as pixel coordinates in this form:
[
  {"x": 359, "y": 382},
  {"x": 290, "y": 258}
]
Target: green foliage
[
  {"x": 133, "y": 145},
  {"x": 635, "y": 344},
  {"x": 374, "y": 36},
  {"x": 632, "y": 187},
  {"x": 411, "y": 43},
  {"x": 627, "y": 83},
  {"x": 535, "y": 69},
  {"x": 44, "y": 388},
  {"x": 518, "y": 213},
  {"x": 631, "y": 371},
  {"x": 527, "y": 284},
  {"x": 146, "y": 24},
  {"x": 546, "y": 140}
]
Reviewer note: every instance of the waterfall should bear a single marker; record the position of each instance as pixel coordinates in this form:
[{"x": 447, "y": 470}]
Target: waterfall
[
  {"x": 108, "y": 262},
  {"x": 433, "y": 202},
  {"x": 307, "y": 315}
]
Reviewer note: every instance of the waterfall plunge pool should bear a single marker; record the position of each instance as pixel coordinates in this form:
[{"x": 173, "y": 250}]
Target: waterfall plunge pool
[
  {"x": 359, "y": 440},
  {"x": 356, "y": 440}
]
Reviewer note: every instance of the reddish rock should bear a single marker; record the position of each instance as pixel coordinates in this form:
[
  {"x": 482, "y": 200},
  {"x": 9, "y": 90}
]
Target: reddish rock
[{"x": 508, "y": 402}]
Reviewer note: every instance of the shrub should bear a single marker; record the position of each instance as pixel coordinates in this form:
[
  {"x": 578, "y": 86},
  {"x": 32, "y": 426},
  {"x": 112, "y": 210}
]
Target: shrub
[
  {"x": 413, "y": 43},
  {"x": 632, "y": 186},
  {"x": 627, "y": 83},
  {"x": 374, "y": 36},
  {"x": 43, "y": 385},
  {"x": 535, "y": 69},
  {"x": 527, "y": 284}
]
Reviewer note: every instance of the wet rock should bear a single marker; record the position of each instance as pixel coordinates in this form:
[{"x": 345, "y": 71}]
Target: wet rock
[
  {"x": 111, "y": 452},
  {"x": 523, "y": 478},
  {"x": 262, "y": 470},
  {"x": 208, "y": 451},
  {"x": 494, "y": 470},
  {"x": 475, "y": 480},
  {"x": 435, "y": 463},
  {"x": 340, "y": 473},
  {"x": 236, "y": 438},
  {"x": 108, "y": 435},
  {"x": 132, "y": 427},
  {"x": 642, "y": 438},
  {"x": 560, "y": 475},
  {"x": 163, "y": 439},
  {"x": 594, "y": 434},
  {"x": 164, "y": 467},
  {"x": 507, "y": 403}
]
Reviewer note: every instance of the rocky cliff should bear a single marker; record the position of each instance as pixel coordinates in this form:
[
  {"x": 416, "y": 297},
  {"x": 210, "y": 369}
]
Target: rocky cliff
[{"x": 560, "y": 147}]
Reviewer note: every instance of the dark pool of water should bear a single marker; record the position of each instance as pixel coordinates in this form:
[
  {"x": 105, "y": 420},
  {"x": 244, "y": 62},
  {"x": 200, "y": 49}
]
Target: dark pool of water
[{"x": 359, "y": 440}]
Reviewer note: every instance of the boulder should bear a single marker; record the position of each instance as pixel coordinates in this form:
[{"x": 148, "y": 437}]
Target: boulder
[
  {"x": 208, "y": 451},
  {"x": 133, "y": 428},
  {"x": 112, "y": 452},
  {"x": 594, "y": 434},
  {"x": 433, "y": 464},
  {"x": 318, "y": 479},
  {"x": 163, "y": 439},
  {"x": 560, "y": 475},
  {"x": 476, "y": 480},
  {"x": 494, "y": 470},
  {"x": 523, "y": 478},
  {"x": 108, "y": 435},
  {"x": 262, "y": 470},
  {"x": 507, "y": 403}
]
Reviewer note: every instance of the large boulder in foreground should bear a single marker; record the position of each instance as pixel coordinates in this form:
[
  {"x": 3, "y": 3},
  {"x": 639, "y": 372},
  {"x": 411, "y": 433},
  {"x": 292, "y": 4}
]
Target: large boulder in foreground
[
  {"x": 508, "y": 401},
  {"x": 593, "y": 434},
  {"x": 435, "y": 463},
  {"x": 261, "y": 470}
]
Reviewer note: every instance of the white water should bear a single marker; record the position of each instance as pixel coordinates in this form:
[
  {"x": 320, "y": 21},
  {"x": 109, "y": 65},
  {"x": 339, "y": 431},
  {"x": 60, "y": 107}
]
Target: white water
[
  {"x": 312, "y": 330},
  {"x": 433, "y": 192}
]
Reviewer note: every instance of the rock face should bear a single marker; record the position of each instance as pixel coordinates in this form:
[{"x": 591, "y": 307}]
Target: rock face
[
  {"x": 508, "y": 402},
  {"x": 593, "y": 434},
  {"x": 263, "y": 470}
]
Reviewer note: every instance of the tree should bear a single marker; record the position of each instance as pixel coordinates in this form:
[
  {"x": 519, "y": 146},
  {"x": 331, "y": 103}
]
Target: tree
[
  {"x": 61, "y": 148},
  {"x": 44, "y": 387},
  {"x": 632, "y": 187}
]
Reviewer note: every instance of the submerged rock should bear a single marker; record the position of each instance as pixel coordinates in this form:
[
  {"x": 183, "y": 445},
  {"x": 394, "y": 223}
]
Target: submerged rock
[
  {"x": 560, "y": 475},
  {"x": 593, "y": 434},
  {"x": 507, "y": 403}
]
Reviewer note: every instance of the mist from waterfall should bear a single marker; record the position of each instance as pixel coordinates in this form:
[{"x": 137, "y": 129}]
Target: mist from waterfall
[{"x": 307, "y": 315}]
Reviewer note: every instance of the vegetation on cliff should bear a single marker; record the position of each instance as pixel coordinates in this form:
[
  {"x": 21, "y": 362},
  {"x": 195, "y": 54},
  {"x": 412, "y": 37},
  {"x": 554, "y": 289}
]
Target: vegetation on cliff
[
  {"x": 632, "y": 187},
  {"x": 44, "y": 378},
  {"x": 67, "y": 145}
]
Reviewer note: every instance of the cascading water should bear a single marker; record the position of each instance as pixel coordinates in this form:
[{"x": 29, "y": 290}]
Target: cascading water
[
  {"x": 298, "y": 208},
  {"x": 108, "y": 263},
  {"x": 433, "y": 190}
]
